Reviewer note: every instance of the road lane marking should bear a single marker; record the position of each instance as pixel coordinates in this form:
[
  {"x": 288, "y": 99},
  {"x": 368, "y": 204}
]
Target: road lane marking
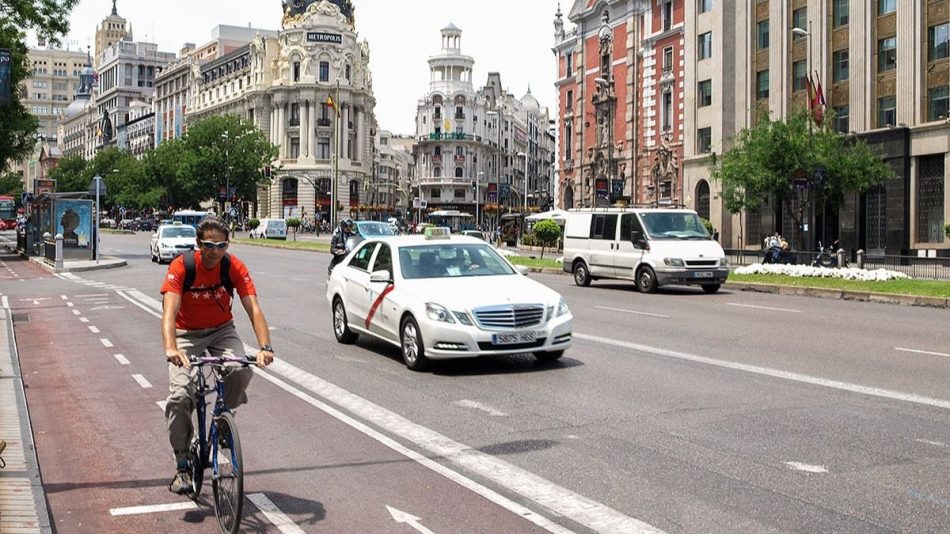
[
  {"x": 273, "y": 514},
  {"x": 465, "y": 403},
  {"x": 5, "y": 302},
  {"x": 631, "y": 311},
  {"x": 561, "y": 501},
  {"x": 93, "y": 329},
  {"x": 928, "y": 442},
  {"x": 90, "y": 295},
  {"x": 161, "y": 404},
  {"x": 77, "y": 312},
  {"x": 106, "y": 343},
  {"x": 83, "y": 320},
  {"x": 64, "y": 297},
  {"x": 142, "y": 381},
  {"x": 764, "y": 308},
  {"x": 70, "y": 304},
  {"x": 915, "y": 351},
  {"x": 153, "y": 508},
  {"x": 402, "y": 517},
  {"x": 121, "y": 359},
  {"x": 775, "y": 373},
  {"x": 798, "y": 466}
]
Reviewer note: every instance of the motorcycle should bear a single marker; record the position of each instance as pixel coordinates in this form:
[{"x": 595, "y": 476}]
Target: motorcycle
[
  {"x": 338, "y": 253},
  {"x": 827, "y": 256}
]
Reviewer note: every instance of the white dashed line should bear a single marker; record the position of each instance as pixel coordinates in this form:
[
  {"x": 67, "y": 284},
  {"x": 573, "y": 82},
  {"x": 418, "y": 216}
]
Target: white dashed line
[
  {"x": 121, "y": 359},
  {"x": 161, "y": 404},
  {"x": 93, "y": 329},
  {"x": 83, "y": 320},
  {"x": 142, "y": 381},
  {"x": 475, "y": 405},
  {"x": 151, "y": 509},
  {"x": 915, "y": 351},
  {"x": 70, "y": 304},
  {"x": 273, "y": 514},
  {"x": 632, "y": 311},
  {"x": 108, "y": 344},
  {"x": 798, "y": 466},
  {"x": 764, "y": 308},
  {"x": 77, "y": 312},
  {"x": 64, "y": 297}
]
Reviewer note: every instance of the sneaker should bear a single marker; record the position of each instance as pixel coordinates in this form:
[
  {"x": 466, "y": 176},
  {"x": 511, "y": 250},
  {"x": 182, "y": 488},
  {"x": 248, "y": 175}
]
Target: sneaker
[{"x": 182, "y": 483}]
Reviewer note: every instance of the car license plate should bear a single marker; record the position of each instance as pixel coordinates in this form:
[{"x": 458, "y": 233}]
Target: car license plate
[
  {"x": 514, "y": 339},
  {"x": 703, "y": 274}
]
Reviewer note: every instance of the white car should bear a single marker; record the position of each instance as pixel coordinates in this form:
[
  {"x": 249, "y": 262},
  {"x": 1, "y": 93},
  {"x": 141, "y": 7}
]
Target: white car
[
  {"x": 270, "y": 229},
  {"x": 171, "y": 240},
  {"x": 442, "y": 297}
]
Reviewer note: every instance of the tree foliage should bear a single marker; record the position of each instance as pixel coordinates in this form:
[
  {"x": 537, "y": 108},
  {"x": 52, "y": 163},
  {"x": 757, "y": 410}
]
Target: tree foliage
[
  {"x": 11, "y": 184},
  {"x": 49, "y": 19},
  {"x": 547, "y": 233},
  {"x": 766, "y": 158}
]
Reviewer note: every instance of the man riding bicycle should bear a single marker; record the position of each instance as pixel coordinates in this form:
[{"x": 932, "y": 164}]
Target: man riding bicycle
[
  {"x": 197, "y": 317},
  {"x": 338, "y": 242}
]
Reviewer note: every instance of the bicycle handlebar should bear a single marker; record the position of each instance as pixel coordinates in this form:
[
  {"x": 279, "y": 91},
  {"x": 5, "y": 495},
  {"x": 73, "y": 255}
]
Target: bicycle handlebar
[{"x": 221, "y": 360}]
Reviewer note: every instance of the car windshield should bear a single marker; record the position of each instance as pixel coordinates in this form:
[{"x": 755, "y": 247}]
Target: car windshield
[
  {"x": 451, "y": 261},
  {"x": 182, "y": 231},
  {"x": 371, "y": 229},
  {"x": 674, "y": 225}
]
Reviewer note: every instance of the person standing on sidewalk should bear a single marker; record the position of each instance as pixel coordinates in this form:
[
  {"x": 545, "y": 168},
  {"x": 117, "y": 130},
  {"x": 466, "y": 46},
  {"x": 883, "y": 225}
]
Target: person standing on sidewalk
[{"x": 196, "y": 317}]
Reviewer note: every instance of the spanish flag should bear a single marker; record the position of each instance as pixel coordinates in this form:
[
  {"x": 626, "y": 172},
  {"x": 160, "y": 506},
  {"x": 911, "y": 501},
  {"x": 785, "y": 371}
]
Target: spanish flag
[{"x": 330, "y": 103}]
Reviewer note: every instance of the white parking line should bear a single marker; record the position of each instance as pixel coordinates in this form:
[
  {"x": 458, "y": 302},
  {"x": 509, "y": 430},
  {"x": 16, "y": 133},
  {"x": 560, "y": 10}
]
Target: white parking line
[
  {"x": 151, "y": 509},
  {"x": 106, "y": 343},
  {"x": 273, "y": 514},
  {"x": 915, "y": 351},
  {"x": 121, "y": 359},
  {"x": 632, "y": 311},
  {"x": 93, "y": 329},
  {"x": 775, "y": 373},
  {"x": 764, "y": 308},
  {"x": 142, "y": 381}
]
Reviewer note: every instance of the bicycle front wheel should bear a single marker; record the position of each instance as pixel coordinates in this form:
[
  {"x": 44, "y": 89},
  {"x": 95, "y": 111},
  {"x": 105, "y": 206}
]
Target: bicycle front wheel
[{"x": 227, "y": 479}]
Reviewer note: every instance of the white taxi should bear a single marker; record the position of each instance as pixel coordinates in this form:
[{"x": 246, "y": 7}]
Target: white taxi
[
  {"x": 171, "y": 240},
  {"x": 441, "y": 297}
]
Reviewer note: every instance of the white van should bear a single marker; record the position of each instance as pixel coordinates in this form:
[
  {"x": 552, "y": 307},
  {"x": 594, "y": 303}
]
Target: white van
[
  {"x": 649, "y": 246},
  {"x": 270, "y": 229}
]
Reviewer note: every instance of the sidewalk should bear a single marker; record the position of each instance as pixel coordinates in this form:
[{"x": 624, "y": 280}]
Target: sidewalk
[
  {"x": 75, "y": 266},
  {"x": 22, "y": 501}
]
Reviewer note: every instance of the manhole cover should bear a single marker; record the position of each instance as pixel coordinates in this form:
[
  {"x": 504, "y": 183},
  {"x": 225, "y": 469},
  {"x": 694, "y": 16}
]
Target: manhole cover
[{"x": 21, "y": 317}]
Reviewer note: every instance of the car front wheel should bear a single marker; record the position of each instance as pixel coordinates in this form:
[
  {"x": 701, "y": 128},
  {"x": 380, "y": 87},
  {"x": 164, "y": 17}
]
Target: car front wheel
[
  {"x": 581, "y": 274},
  {"x": 646, "y": 280},
  {"x": 413, "y": 349},
  {"x": 341, "y": 328}
]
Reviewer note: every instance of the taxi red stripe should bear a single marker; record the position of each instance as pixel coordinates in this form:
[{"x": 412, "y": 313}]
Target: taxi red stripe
[{"x": 379, "y": 300}]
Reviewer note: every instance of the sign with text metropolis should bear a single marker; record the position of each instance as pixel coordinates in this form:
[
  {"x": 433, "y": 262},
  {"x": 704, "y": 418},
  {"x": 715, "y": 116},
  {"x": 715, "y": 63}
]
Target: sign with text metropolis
[
  {"x": 6, "y": 68},
  {"x": 320, "y": 37}
]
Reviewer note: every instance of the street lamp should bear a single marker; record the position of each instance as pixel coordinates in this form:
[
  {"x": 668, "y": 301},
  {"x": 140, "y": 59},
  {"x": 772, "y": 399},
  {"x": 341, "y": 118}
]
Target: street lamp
[
  {"x": 807, "y": 34},
  {"x": 477, "y": 179}
]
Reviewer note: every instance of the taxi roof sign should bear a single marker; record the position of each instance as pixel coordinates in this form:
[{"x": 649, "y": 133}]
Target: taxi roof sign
[{"x": 438, "y": 232}]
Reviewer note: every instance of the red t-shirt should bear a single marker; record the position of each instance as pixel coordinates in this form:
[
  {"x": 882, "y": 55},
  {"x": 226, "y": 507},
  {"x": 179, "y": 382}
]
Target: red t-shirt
[{"x": 203, "y": 307}]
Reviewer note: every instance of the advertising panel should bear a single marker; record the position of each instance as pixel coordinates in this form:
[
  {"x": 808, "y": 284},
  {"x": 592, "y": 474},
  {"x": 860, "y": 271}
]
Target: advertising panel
[{"x": 73, "y": 219}]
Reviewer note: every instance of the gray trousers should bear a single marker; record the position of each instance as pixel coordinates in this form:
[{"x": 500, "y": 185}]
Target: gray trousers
[{"x": 220, "y": 341}]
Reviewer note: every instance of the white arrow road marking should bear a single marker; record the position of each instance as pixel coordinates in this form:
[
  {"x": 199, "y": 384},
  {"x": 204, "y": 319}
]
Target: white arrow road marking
[
  {"x": 107, "y": 308},
  {"x": 798, "y": 466},
  {"x": 36, "y": 301},
  {"x": 151, "y": 509},
  {"x": 402, "y": 517},
  {"x": 764, "y": 308},
  {"x": 632, "y": 311},
  {"x": 915, "y": 351},
  {"x": 273, "y": 514}
]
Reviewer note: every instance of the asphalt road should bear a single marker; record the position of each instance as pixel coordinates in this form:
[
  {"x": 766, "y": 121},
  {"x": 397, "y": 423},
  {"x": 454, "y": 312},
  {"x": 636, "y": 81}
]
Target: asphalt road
[{"x": 680, "y": 411}]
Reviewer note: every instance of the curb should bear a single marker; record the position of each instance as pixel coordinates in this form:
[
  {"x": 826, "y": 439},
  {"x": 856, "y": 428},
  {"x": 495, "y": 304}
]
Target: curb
[
  {"x": 109, "y": 262},
  {"x": 841, "y": 294}
]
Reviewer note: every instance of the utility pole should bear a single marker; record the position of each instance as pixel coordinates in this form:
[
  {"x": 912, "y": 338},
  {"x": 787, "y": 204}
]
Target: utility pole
[{"x": 334, "y": 197}]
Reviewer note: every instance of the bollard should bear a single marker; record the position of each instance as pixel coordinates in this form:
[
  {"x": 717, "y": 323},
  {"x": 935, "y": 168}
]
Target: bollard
[
  {"x": 59, "y": 251},
  {"x": 861, "y": 259},
  {"x": 841, "y": 261}
]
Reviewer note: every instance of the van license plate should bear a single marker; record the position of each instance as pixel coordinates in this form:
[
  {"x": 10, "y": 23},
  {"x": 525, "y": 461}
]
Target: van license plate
[
  {"x": 513, "y": 339},
  {"x": 703, "y": 274}
]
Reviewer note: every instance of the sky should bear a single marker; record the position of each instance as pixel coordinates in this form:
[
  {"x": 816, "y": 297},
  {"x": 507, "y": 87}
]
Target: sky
[{"x": 513, "y": 37}]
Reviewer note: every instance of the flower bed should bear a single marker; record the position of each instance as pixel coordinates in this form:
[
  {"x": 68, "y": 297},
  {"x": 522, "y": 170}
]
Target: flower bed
[{"x": 805, "y": 271}]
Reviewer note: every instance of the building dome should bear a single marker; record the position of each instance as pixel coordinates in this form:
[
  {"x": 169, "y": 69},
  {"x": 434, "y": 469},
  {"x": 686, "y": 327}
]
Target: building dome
[
  {"x": 298, "y": 7},
  {"x": 530, "y": 103},
  {"x": 76, "y": 107}
]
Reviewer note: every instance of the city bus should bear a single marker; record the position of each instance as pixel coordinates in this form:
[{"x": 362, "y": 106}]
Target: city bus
[
  {"x": 7, "y": 213},
  {"x": 453, "y": 219},
  {"x": 189, "y": 217}
]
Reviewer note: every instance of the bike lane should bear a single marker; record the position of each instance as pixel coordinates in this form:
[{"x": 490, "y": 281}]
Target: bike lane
[{"x": 95, "y": 379}]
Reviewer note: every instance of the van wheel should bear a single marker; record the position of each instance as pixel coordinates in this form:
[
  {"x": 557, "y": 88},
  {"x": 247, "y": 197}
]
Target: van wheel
[
  {"x": 711, "y": 288},
  {"x": 646, "y": 280},
  {"x": 581, "y": 274}
]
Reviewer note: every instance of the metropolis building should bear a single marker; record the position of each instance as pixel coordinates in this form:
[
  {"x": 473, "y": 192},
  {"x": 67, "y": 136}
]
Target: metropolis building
[{"x": 301, "y": 87}]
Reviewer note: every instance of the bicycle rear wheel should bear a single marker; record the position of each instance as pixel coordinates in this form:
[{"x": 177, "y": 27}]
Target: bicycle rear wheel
[{"x": 227, "y": 479}]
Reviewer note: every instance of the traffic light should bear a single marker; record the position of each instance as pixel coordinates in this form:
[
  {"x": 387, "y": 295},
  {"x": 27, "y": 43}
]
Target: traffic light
[{"x": 474, "y": 184}]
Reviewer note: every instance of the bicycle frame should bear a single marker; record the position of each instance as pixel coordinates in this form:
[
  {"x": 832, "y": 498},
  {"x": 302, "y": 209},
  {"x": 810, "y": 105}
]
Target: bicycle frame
[{"x": 209, "y": 454}]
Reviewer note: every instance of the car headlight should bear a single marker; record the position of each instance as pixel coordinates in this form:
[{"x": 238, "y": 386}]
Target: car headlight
[
  {"x": 562, "y": 308},
  {"x": 463, "y": 318},
  {"x": 724, "y": 261},
  {"x": 673, "y": 262},
  {"x": 438, "y": 313}
]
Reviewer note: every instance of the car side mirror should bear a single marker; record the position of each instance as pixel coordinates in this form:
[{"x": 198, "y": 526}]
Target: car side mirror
[
  {"x": 522, "y": 269},
  {"x": 380, "y": 277}
]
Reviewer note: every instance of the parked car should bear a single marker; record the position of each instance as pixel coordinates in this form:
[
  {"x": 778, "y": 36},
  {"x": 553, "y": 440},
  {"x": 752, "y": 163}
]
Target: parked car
[
  {"x": 440, "y": 296},
  {"x": 172, "y": 240},
  {"x": 650, "y": 246},
  {"x": 270, "y": 229},
  {"x": 474, "y": 233}
]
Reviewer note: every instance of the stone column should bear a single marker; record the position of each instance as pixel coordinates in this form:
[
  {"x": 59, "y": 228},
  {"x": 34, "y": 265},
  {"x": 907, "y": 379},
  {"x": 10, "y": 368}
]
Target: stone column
[
  {"x": 282, "y": 129},
  {"x": 304, "y": 129},
  {"x": 311, "y": 124},
  {"x": 360, "y": 137}
]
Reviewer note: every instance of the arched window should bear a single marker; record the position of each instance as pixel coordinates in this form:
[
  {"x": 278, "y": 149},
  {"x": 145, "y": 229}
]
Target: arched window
[
  {"x": 437, "y": 172},
  {"x": 288, "y": 192},
  {"x": 458, "y": 172},
  {"x": 702, "y": 199},
  {"x": 569, "y": 198},
  {"x": 354, "y": 193}
]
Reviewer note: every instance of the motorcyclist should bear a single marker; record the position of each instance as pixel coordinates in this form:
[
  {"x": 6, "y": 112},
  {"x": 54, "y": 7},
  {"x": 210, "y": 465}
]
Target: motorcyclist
[{"x": 338, "y": 243}]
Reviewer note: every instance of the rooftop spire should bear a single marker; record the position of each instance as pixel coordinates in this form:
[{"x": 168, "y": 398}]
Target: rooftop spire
[{"x": 114, "y": 12}]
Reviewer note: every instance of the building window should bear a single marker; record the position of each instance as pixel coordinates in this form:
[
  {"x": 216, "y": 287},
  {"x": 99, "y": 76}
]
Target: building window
[
  {"x": 436, "y": 193},
  {"x": 569, "y": 60},
  {"x": 841, "y": 119},
  {"x": 938, "y": 103},
  {"x": 887, "y": 54},
  {"x": 294, "y": 114},
  {"x": 930, "y": 186},
  {"x": 839, "y": 61},
  {"x": 702, "y": 199},
  {"x": 668, "y": 58},
  {"x": 458, "y": 172},
  {"x": 296, "y": 71},
  {"x": 939, "y": 39},
  {"x": 323, "y": 148},
  {"x": 460, "y": 193},
  {"x": 886, "y": 111},
  {"x": 799, "y": 20},
  {"x": 324, "y": 71},
  {"x": 667, "y": 14},
  {"x": 705, "y": 5},
  {"x": 839, "y": 13},
  {"x": 704, "y": 140},
  {"x": 569, "y": 105},
  {"x": 349, "y": 73},
  {"x": 762, "y": 35},
  {"x": 762, "y": 84},
  {"x": 568, "y": 142},
  {"x": 294, "y": 147},
  {"x": 704, "y": 49},
  {"x": 886, "y": 6},
  {"x": 799, "y": 74},
  {"x": 705, "y": 93},
  {"x": 667, "y": 110}
]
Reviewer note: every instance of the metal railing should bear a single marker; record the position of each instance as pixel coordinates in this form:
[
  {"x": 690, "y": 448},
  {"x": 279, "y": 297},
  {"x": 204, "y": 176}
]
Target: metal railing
[{"x": 913, "y": 266}]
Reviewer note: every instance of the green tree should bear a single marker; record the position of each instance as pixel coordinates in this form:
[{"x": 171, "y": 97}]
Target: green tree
[
  {"x": 226, "y": 149},
  {"x": 11, "y": 184},
  {"x": 766, "y": 157},
  {"x": 71, "y": 174},
  {"x": 49, "y": 19},
  {"x": 294, "y": 223},
  {"x": 547, "y": 233}
]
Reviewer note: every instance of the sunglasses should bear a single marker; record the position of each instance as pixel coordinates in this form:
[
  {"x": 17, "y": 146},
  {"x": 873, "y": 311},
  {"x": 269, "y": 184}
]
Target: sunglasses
[{"x": 214, "y": 244}]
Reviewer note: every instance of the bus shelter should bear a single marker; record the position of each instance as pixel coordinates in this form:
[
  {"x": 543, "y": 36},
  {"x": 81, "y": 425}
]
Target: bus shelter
[{"x": 67, "y": 214}]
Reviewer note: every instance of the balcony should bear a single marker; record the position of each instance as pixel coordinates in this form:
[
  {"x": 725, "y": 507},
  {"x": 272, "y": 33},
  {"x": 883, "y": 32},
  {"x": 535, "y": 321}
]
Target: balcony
[
  {"x": 459, "y": 158},
  {"x": 294, "y": 121},
  {"x": 436, "y": 117},
  {"x": 323, "y": 122},
  {"x": 459, "y": 116},
  {"x": 450, "y": 136}
]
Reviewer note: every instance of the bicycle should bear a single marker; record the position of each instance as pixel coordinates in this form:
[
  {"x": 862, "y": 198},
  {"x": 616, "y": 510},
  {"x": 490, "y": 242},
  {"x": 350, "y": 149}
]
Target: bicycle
[{"x": 220, "y": 446}]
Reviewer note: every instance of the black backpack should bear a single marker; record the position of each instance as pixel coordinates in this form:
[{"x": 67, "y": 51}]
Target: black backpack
[{"x": 189, "y": 259}]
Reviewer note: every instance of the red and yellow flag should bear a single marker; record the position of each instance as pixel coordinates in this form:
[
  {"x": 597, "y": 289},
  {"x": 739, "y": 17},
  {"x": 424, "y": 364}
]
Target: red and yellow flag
[{"x": 330, "y": 103}]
